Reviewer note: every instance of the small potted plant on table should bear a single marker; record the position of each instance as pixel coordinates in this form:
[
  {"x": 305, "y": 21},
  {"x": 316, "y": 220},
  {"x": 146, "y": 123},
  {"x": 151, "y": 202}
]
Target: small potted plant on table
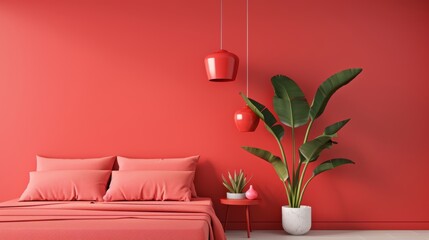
[{"x": 235, "y": 185}]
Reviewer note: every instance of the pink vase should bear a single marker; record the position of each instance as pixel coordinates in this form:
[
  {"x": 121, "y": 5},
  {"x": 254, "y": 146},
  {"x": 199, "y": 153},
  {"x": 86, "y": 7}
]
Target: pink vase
[{"x": 251, "y": 193}]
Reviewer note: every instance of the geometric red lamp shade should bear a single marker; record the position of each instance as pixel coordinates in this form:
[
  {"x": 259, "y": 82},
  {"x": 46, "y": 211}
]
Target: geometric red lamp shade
[
  {"x": 221, "y": 66},
  {"x": 246, "y": 120}
]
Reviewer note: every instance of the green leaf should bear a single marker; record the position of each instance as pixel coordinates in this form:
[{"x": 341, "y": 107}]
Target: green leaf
[
  {"x": 334, "y": 128},
  {"x": 266, "y": 116},
  {"x": 312, "y": 149},
  {"x": 232, "y": 181},
  {"x": 277, "y": 130},
  {"x": 236, "y": 183},
  {"x": 328, "y": 88},
  {"x": 224, "y": 180},
  {"x": 277, "y": 163},
  {"x": 227, "y": 185},
  {"x": 289, "y": 102},
  {"x": 331, "y": 164},
  {"x": 240, "y": 182}
]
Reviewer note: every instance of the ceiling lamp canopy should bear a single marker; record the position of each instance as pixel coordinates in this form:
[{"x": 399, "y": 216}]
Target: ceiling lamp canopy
[{"x": 221, "y": 66}]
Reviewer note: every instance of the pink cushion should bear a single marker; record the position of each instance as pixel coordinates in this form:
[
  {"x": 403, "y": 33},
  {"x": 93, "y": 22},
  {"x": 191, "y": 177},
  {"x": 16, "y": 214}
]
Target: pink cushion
[
  {"x": 48, "y": 164},
  {"x": 150, "y": 185},
  {"x": 66, "y": 185},
  {"x": 168, "y": 164}
]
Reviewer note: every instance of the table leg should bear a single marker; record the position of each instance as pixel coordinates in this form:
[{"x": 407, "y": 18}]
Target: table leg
[
  {"x": 226, "y": 218},
  {"x": 250, "y": 221},
  {"x": 247, "y": 221}
]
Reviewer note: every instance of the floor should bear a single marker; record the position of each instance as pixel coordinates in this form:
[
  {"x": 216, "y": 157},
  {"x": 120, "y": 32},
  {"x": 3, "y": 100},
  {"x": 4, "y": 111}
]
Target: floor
[{"x": 333, "y": 235}]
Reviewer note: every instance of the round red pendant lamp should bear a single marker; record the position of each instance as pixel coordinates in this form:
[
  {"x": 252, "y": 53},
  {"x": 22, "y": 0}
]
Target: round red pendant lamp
[
  {"x": 221, "y": 66},
  {"x": 245, "y": 119}
]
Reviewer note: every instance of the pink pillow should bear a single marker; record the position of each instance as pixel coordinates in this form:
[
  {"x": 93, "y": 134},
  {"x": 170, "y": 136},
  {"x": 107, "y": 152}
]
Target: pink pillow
[
  {"x": 150, "y": 185},
  {"x": 66, "y": 185},
  {"x": 166, "y": 164},
  {"x": 48, "y": 164}
]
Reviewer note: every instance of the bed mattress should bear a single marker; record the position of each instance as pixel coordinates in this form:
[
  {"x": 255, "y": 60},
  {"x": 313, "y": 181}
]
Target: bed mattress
[{"x": 110, "y": 220}]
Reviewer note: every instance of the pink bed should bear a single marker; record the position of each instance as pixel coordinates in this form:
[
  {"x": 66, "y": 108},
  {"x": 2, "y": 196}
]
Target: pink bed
[{"x": 110, "y": 220}]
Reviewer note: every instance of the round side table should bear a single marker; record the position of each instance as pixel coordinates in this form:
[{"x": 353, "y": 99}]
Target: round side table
[{"x": 240, "y": 202}]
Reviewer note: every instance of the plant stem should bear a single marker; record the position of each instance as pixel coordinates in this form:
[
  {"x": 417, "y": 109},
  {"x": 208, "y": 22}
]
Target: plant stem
[
  {"x": 282, "y": 151},
  {"x": 293, "y": 157},
  {"x": 287, "y": 193},
  {"x": 288, "y": 185},
  {"x": 307, "y": 133},
  {"x": 295, "y": 174},
  {"x": 303, "y": 189},
  {"x": 301, "y": 179},
  {"x": 298, "y": 170},
  {"x": 283, "y": 156}
]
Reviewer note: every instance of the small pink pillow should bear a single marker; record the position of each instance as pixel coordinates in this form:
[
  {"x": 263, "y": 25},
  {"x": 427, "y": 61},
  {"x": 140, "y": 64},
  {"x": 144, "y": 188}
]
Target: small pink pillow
[
  {"x": 66, "y": 185},
  {"x": 48, "y": 164},
  {"x": 168, "y": 164},
  {"x": 150, "y": 185}
]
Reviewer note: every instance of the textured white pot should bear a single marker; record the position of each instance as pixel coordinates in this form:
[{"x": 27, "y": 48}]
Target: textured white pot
[
  {"x": 296, "y": 221},
  {"x": 235, "y": 195}
]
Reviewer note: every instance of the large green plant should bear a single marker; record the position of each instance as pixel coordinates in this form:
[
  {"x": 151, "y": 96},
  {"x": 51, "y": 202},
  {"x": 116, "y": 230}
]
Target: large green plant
[{"x": 294, "y": 111}]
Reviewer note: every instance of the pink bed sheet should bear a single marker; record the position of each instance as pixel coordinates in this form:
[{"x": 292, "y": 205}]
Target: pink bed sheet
[{"x": 110, "y": 220}]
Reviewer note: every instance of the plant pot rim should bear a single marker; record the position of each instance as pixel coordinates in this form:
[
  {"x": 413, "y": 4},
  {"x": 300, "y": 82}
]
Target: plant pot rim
[
  {"x": 302, "y": 206},
  {"x": 235, "y": 195}
]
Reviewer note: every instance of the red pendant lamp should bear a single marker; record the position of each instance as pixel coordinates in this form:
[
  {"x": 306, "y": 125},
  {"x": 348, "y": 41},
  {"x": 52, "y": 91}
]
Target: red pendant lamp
[
  {"x": 221, "y": 66},
  {"x": 245, "y": 119}
]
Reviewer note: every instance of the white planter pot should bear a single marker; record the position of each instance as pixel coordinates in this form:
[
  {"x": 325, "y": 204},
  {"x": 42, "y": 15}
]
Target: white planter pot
[
  {"x": 235, "y": 195},
  {"x": 296, "y": 221}
]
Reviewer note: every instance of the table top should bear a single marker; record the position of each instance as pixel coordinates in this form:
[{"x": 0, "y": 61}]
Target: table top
[{"x": 239, "y": 202}]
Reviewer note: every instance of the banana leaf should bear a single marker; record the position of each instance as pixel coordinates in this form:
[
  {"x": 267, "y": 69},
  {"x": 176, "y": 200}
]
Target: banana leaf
[
  {"x": 331, "y": 164},
  {"x": 275, "y": 161},
  {"x": 289, "y": 102},
  {"x": 312, "y": 149},
  {"x": 334, "y": 128},
  {"x": 328, "y": 88},
  {"x": 266, "y": 116}
]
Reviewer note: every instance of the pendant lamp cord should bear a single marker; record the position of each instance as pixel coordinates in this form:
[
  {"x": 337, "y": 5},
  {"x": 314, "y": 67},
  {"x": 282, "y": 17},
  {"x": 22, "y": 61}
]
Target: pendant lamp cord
[
  {"x": 221, "y": 23},
  {"x": 247, "y": 48}
]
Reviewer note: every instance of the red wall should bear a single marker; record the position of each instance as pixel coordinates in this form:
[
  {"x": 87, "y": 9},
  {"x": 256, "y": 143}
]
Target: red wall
[{"x": 95, "y": 78}]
